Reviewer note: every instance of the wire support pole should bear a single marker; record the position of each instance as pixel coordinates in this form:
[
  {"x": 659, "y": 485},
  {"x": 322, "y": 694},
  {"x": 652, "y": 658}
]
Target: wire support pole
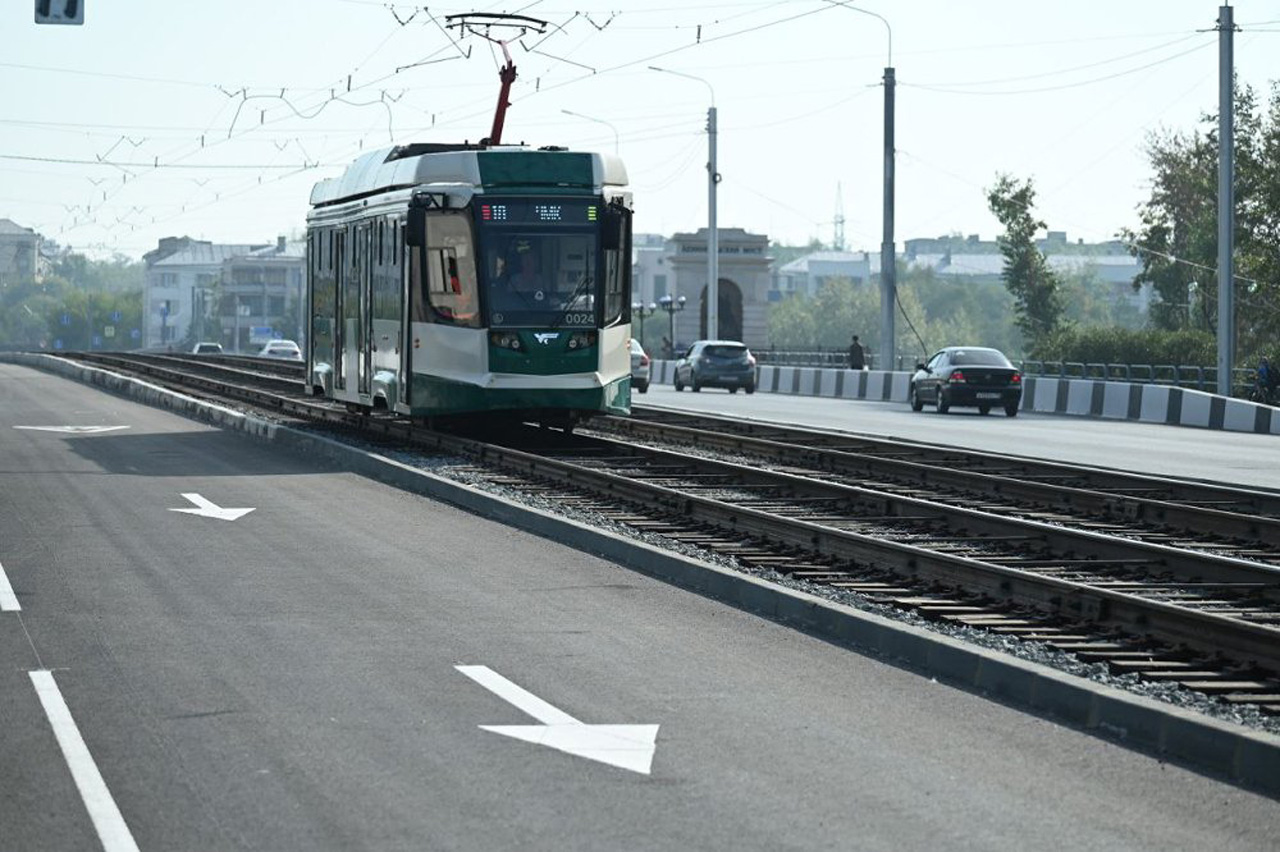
[
  {"x": 1226, "y": 201},
  {"x": 888, "y": 260},
  {"x": 713, "y": 235}
]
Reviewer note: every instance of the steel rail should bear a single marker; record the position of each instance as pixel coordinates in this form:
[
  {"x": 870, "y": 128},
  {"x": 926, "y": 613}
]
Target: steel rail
[{"x": 1113, "y": 500}]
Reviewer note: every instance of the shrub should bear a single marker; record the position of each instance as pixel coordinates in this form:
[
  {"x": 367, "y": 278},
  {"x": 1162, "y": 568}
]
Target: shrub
[{"x": 1128, "y": 346}]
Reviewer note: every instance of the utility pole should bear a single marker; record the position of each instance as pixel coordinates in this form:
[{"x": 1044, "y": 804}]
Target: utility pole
[
  {"x": 888, "y": 263},
  {"x": 713, "y": 236},
  {"x": 1226, "y": 202}
]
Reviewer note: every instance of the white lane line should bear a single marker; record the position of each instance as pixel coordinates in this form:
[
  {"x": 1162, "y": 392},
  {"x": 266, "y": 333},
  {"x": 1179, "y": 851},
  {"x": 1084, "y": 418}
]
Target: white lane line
[
  {"x": 113, "y": 833},
  {"x": 8, "y": 600},
  {"x": 524, "y": 700}
]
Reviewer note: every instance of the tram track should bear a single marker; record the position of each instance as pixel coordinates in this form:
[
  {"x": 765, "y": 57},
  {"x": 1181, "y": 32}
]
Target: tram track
[
  {"x": 1239, "y": 521},
  {"x": 1207, "y": 620}
]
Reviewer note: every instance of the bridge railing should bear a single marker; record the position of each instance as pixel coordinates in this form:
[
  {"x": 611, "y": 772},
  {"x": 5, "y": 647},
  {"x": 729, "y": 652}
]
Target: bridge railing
[
  {"x": 1179, "y": 375},
  {"x": 827, "y": 358}
]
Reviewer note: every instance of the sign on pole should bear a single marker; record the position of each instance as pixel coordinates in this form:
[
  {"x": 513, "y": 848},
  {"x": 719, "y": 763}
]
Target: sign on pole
[{"x": 59, "y": 11}]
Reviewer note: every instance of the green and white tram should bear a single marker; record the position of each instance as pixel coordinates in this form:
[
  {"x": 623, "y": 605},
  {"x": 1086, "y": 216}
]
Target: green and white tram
[{"x": 461, "y": 279}]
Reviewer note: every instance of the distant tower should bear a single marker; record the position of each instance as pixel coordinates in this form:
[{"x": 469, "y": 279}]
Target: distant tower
[{"x": 838, "y": 244}]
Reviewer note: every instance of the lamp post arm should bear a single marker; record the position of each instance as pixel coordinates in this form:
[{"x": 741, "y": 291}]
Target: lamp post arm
[{"x": 882, "y": 18}]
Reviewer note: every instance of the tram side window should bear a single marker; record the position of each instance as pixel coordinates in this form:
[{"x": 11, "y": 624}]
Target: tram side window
[
  {"x": 615, "y": 240},
  {"x": 450, "y": 280},
  {"x": 386, "y": 276},
  {"x": 323, "y": 287},
  {"x": 617, "y": 287}
]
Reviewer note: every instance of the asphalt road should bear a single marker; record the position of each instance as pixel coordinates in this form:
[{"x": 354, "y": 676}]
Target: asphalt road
[
  {"x": 1236, "y": 457},
  {"x": 289, "y": 681}
]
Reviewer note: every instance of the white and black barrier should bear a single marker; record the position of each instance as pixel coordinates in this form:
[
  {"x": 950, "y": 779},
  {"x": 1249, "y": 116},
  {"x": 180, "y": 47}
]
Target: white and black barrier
[{"x": 1147, "y": 403}]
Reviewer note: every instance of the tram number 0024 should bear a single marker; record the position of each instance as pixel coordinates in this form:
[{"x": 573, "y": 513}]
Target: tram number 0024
[{"x": 579, "y": 319}]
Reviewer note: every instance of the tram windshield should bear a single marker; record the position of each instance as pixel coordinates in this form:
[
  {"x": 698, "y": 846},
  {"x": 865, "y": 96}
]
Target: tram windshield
[{"x": 540, "y": 263}]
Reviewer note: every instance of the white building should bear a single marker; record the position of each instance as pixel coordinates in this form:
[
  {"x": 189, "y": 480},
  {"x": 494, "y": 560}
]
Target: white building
[
  {"x": 809, "y": 274},
  {"x": 177, "y": 273},
  {"x": 19, "y": 253}
]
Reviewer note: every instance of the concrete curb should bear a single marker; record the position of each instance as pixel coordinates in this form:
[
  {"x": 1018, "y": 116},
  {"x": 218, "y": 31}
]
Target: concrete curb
[
  {"x": 1096, "y": 398},
  {"x": 1239, "y": 754}
]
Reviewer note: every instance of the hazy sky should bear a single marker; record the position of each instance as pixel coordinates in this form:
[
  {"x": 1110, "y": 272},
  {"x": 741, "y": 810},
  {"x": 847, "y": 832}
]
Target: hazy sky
[{"x": 237, "y": 101}]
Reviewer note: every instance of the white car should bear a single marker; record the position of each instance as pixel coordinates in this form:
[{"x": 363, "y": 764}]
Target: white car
[
  {"x": 284, "y": 349},
  {"x": 207, "y": 348},
  {"x": 639, "y": 367}
]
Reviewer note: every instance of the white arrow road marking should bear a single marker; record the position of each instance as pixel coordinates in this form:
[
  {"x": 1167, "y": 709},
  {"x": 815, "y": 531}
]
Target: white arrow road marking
[
  {"x": 208, "y": 509},
  {"x": 625, "y": 746},
  {"x": 112, "y": 830},
  {"x": 74, "y": 430},
  {"x": 8, "y": 600}
]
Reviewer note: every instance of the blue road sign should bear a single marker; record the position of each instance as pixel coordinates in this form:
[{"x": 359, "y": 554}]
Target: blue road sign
[
  {"x": 135, "y": 334},
  {"x": 115, "y": 316},
  {"x": 57, "y": 344},
  {"x": 60, "y": 12},
  {"x": 65, "y": 319},
  {"x": 97, "y": 340}
]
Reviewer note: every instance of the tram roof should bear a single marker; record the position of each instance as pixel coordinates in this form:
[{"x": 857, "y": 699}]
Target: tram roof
[{"x": 490, "y": 169}]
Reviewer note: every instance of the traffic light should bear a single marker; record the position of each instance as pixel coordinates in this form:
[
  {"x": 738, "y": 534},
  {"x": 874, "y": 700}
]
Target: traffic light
[{"x": 59, "y": 12}]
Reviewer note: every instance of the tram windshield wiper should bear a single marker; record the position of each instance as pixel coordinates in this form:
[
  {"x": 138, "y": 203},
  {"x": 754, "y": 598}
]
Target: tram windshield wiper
[{"x": 578, "y": 291}]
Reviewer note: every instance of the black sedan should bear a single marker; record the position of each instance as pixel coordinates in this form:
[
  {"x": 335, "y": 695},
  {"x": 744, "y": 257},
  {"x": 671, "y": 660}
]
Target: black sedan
[{"x": 970, "y": 376}]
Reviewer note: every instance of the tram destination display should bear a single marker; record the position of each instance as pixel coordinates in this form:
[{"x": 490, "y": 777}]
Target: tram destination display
[{"x": 542, "y": 211}]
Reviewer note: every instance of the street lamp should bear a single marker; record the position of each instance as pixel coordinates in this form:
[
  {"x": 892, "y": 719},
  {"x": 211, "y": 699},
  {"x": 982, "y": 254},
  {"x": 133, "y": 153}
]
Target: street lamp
[
  {"x": 672, "y": 307},
  {"x": 597, "y": 121},
  {"x": 638, "y": 309},
  {"x": 713, "y": 236}
]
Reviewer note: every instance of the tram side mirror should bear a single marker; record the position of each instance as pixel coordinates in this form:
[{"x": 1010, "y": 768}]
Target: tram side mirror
[
  {"x": 612, "y": 223},
  {"x": 415, "y": 233}
]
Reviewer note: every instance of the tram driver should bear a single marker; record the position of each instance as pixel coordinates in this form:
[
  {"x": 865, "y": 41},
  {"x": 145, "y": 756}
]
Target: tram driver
[{"x": 524, "y": 271}]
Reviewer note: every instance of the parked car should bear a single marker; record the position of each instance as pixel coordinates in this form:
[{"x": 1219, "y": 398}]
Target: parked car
[
  {"x": 717, "y": 364},
  {"x": 207, "y": 349},
  {"x": 286, "y": 349},
  {"x": 969, "y": 376},
  {"x": 639, "y": 367}
]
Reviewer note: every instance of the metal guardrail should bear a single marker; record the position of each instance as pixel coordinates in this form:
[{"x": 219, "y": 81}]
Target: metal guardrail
[
  {"x": 1178, "y": 375},
  {"x": 826, "y": 358}
]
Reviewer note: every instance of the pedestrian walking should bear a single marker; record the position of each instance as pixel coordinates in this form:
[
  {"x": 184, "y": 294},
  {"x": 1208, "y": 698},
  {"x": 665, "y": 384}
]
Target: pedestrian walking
[
  {"x": 1265, "y": 390},
  {"x": 857, "y": 358}
]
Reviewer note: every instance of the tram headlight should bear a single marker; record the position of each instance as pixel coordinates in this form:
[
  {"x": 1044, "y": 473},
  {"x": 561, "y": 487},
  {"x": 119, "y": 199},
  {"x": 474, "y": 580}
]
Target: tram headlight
[
  {"x": 582, "y": 339},
  {"x": 505, "y": 340}
]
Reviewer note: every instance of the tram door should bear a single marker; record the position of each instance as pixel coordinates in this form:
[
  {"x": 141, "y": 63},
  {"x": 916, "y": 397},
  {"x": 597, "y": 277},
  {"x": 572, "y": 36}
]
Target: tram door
[
  {"x": 354, "y": 313},
  {"x": 364, "y": 319},
  {"x": 406, "y": 317},
  {"x": 340, "y": 276}
]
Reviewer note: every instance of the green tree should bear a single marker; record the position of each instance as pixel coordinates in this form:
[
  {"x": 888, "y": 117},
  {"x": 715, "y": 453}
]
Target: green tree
[
  {"x": 1177, "y": 236},
  {"x": 118, "y": 274},
  {"x": 932, "y": 313},
  {"x": 1038, "y": 306}
]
